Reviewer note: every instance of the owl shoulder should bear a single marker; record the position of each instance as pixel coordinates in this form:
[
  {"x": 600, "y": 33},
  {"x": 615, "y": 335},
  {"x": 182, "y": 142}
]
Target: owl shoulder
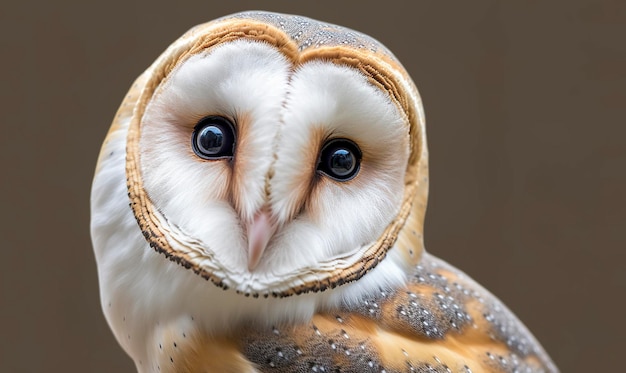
[{"x": 441, "y": 321}]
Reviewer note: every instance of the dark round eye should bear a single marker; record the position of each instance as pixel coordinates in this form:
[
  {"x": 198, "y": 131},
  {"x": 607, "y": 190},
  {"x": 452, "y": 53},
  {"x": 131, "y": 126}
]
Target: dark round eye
[
  {"x": 340, "y": 159},
  {"x": 213, "y": 138}
]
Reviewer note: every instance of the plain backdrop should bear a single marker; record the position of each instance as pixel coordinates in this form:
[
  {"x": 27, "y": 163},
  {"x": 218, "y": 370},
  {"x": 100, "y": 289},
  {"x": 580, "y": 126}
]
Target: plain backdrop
[{"x": 525, "y": 106}]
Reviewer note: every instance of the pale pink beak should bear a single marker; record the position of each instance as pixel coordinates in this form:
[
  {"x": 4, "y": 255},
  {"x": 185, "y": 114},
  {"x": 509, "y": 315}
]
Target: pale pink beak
[{"x": 260, "y": 231}]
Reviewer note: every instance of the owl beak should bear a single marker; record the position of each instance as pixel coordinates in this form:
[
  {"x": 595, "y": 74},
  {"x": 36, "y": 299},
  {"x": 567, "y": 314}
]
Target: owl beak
[{"x": 260, "y": 230}]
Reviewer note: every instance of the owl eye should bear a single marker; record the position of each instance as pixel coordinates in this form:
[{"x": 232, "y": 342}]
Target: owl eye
[
  {"x": 340, "y": 159},
  {"x": 213, "y": 138}
]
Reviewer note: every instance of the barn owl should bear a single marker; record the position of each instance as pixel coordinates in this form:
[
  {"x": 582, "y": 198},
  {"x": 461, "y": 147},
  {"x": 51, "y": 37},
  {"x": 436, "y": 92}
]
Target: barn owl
[{"x": 258, "y": 206}]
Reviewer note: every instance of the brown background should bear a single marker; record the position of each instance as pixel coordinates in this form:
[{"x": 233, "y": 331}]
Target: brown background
[{"x": 525, "y": 105}]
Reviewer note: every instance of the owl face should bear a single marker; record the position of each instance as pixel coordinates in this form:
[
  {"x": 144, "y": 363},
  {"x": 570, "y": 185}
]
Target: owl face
[
  {"x": 268, "y": 169},
  {"x": 280, "y": 158}
]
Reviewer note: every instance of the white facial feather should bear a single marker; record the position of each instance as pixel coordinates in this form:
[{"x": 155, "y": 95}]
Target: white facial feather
[
  {"x": 328, "y": 101},
  {"x": 241, "y": 80},
  {"x": 283, "y": 118}
]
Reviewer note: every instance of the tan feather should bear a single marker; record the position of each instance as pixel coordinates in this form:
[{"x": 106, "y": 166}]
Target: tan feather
[{"x": 442, "y": 321}]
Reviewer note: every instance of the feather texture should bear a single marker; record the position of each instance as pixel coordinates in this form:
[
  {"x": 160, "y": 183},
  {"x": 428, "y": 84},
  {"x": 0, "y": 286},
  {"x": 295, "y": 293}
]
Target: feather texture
[{"x": 441, "y": 321}]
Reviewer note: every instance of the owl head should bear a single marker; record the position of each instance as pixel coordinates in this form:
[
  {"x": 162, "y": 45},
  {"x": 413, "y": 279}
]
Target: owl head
[{"x": 276, "y": 155}]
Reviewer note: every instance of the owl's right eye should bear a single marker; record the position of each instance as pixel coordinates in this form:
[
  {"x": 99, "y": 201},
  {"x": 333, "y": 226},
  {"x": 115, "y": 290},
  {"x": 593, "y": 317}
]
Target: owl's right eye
[{"x": 213, "y": 138}]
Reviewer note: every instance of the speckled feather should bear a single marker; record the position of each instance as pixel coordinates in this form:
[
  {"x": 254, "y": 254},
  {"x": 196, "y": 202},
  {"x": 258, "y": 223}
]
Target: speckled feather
[
  {"x": 442, "y": 321},
  {"x": 439, "y": 321},
  {"x": 309, "y": 33}
]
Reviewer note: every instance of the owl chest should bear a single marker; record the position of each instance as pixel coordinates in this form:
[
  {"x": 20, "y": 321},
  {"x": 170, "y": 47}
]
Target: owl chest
[{"x": 436, "y": 323}]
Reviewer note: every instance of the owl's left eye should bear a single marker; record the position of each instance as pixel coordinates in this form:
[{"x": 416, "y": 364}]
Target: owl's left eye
[
  {"x": 340, "y": 159},
  {"x": 213, "y": 138}
]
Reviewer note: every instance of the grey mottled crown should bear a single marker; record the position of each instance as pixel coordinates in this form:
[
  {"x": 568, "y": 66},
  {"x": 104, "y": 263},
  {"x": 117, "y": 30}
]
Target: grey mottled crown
[{"x": 310, "y": 33}]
